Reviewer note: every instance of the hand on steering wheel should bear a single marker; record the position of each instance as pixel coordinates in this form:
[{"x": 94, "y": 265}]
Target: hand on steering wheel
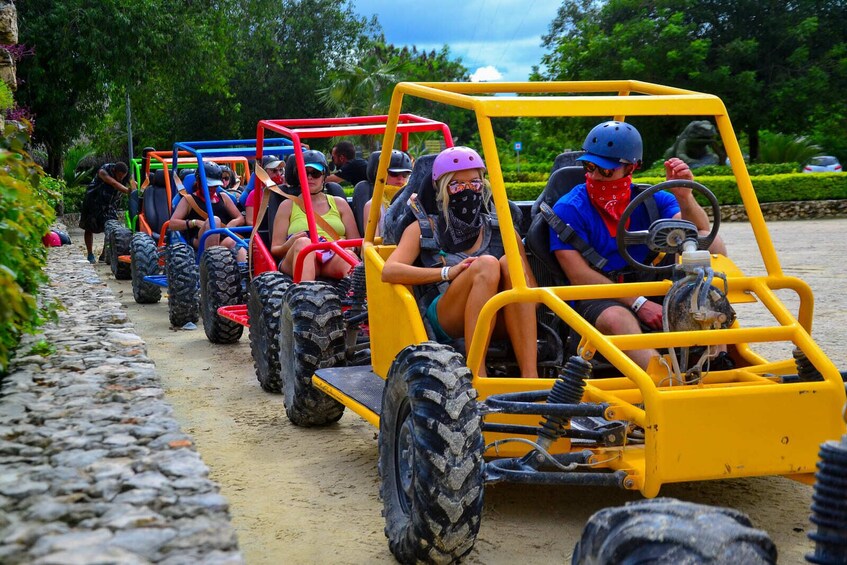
[{"x": 665, "y": 235}]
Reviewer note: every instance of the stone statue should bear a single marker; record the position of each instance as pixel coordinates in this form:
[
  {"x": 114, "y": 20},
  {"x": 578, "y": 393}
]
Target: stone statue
[{"x": 698, "y": 145}]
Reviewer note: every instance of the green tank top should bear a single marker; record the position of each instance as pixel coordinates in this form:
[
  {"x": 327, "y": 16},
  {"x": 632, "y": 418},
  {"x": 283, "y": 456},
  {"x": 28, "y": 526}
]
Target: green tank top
[{"x": 298, "y": 223}]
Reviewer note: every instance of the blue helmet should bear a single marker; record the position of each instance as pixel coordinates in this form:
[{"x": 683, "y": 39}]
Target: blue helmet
[{"x": 616, "y": 143}]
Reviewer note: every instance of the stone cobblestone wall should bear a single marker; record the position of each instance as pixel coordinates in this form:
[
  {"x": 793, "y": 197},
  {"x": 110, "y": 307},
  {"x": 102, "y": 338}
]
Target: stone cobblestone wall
[
  {"x": 93, "y": 466},
  {"x": 8, "y": 36}
]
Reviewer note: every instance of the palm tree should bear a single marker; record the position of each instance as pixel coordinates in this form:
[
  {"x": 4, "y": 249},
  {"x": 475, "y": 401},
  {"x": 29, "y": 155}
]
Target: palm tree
[{"x": 784, "y": 148}]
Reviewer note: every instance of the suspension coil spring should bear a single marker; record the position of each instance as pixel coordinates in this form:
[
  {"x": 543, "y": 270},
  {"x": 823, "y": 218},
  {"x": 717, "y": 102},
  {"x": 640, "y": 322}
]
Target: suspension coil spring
[
  {"x": 567, "y": 389},
  {"x": 829, "y": 505},
  {"x": 806, "y": 372}
]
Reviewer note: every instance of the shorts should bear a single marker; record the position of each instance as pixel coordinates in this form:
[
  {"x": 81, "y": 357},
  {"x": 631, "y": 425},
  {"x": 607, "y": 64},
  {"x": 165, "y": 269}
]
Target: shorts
[
  {"x": 591, "y": 309},
  {"x": 432, "y": 317}
]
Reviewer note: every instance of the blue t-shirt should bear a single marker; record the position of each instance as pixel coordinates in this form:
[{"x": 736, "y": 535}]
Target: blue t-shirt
[
  {"x": 576, "y": 210},
  {"x": 242, "y": 200}
]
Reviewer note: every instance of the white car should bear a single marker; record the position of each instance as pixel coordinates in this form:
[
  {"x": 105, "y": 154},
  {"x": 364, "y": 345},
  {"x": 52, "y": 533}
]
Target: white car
[{"x": 823, "y": 164}]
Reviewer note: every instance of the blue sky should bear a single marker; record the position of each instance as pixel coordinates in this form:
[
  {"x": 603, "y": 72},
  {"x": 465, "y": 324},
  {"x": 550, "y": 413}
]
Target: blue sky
[{"x": 496, "y": 39}]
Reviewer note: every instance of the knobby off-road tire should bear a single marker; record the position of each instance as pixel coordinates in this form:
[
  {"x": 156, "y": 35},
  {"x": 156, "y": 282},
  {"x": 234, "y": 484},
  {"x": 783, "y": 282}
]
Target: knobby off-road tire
[
  {"x": 311, "y": 336},
  {"x": 183, "y": 281},
  {"x": 666, "y": 530},
  {"x": 264, "y": 305},
  {"x": 220, "y": 285},
  {"x": 430, "y": 456},
  {"x": 108, "y": 228},
  {"x": 119, "y": 242},
  {"x": 144, "y": 262}
]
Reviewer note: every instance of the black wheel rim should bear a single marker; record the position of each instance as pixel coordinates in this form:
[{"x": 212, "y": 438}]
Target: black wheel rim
[{"x": 404, "y": 456}]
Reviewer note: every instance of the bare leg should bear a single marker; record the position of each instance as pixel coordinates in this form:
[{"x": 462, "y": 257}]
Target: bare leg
[
  {"x": 88, "y": 237},
  {"x": 521, "y": 325},
  {"x": 617, "y": 320}
]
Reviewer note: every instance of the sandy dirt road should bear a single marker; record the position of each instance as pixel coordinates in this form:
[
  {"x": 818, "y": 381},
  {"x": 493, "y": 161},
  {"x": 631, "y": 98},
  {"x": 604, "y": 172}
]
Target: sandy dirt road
[{"x": 311, "y": 495}]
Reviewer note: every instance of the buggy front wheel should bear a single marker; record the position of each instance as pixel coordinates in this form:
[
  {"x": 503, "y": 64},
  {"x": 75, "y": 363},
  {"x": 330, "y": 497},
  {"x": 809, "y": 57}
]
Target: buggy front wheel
[{"x": 430, "y": 456}]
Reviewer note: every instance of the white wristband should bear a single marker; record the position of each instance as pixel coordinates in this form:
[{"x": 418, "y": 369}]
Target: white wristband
[
  {"x": 638, "y": 303},
  {"x": 445, "y": 273}
]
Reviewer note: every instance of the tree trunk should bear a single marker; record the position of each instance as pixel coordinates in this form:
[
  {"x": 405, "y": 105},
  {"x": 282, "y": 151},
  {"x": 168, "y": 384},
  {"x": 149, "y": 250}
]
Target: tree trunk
[
  {"x": 55, "y": 160},
  {"x": 753, "y": 139}
]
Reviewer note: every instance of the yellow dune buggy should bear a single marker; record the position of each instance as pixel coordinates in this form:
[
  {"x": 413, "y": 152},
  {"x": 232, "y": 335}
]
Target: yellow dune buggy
[{"x": 445, "y": 431}]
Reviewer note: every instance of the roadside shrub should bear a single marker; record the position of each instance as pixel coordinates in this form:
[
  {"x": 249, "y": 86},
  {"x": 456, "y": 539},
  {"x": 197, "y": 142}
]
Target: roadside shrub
[
  {"x": 26, "y": 213},
  {"x": 753, "y": 169},
  {"x": 769, "y": 188}
]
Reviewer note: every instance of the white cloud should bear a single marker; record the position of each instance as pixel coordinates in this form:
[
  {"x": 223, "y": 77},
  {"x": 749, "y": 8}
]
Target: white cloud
[{"x": 486, "y": 74}]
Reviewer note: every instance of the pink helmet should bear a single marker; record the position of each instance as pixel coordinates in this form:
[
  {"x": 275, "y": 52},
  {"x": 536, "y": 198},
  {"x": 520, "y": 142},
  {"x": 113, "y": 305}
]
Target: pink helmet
[
  {"x": 455, "y": 159},
  {"x": 51, "y": 239}
]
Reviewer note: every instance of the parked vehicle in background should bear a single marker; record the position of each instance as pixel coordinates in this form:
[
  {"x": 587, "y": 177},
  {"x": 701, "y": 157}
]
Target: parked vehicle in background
[{"x": 823, "y": 164}]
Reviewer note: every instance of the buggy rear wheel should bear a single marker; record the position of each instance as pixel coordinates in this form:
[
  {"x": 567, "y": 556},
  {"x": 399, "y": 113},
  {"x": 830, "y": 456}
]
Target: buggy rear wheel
[
  {"x": 182, "y": 285},
  {"x": 666, "y": 530},
  {"x": 144, "y": 262},
  {"x": 264, "y": 302},
  {"x": 311, "y": 337},
  {"x": 220, "y": 285},
  {"x": 119, "y": 242},
  {"x": 430, "y": 456}
]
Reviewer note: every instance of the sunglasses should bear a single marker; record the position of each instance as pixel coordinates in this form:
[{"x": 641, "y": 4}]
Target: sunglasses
[
  {"x": 225, "y": 179},
  {"x": 457, "y": 186},
  {"x": 404, "y": 174},
  {"x": 591, "y": 167},
  {"x": 314, "y": 173}
]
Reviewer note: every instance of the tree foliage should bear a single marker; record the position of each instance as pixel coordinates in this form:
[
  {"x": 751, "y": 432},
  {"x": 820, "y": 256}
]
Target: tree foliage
[{"x": 774, "y": 64}]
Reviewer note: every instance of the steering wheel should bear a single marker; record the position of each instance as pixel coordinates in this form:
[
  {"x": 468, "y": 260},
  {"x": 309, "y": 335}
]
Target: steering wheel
[{"x": 665, "y": 235}]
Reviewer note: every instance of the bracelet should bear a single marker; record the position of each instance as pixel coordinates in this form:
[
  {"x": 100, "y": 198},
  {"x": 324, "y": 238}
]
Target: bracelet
[
  {"x": 638, "y": 303},
  {"x": 445, "y": 273}
]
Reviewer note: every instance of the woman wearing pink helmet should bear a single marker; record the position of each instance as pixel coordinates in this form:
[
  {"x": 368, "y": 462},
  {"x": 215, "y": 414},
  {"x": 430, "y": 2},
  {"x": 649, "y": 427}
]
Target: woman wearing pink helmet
[{"x": 463, "y": 260}]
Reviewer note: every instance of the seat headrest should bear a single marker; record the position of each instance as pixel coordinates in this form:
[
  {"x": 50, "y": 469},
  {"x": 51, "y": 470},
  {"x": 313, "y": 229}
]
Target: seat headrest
[
  {"x": 399, "y": 215},
  {"x": 566, "y": 159},
  {"x": 158, "y": 178},
  {"x": 559, "y": 184},
  {"x": 373, "y": 161}
]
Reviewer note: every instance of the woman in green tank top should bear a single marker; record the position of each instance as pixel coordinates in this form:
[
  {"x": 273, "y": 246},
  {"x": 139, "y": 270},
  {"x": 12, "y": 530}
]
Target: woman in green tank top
[{"x": 290, "y": 225}]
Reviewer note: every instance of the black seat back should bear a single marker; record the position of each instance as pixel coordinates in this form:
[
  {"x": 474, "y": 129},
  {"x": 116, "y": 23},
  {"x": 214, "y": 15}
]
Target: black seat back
[
  {"x": 363, "y": 191},
  {"x": 544, "y": 264},
  {"x": 399, "y": 215},
  {"x": 155, "y": 202},
  {"x": 566, "y": 159}
]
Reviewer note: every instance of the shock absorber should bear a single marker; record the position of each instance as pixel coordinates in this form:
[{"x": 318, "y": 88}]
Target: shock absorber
[
  {"x": 567, "y": 389},
  {"x": 829, "y": 505},
  {"x": 806, "y": 372}
]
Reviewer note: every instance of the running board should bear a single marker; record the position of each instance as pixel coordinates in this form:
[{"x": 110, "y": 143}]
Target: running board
[
  {"x": 357, "y": 388},
  {"x": 237, "y": 313},
  {"x": 158, "y": 280}
]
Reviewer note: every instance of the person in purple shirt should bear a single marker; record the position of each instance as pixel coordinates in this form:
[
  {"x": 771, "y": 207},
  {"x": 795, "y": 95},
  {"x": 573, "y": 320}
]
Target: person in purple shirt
[{"x": 613, "y": 151}]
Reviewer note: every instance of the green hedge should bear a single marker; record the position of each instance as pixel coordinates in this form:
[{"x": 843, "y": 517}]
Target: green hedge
[
  {"x": 26, "y": 213},
  {"x": 770, "y": 188}
]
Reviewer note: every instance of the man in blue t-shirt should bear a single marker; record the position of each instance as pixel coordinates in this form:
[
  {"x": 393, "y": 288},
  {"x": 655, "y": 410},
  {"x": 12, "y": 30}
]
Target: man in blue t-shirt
[{"x": 613, "y": 152}]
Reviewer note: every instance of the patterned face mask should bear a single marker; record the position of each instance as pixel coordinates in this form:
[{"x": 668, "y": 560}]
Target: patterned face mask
[
  {"x": 610, "y": 198},
  {"x": 465, "y": 221}
]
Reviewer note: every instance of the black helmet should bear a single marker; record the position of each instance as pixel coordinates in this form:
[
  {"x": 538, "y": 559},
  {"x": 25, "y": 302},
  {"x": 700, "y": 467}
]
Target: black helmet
[
  {"x": 213, "y": 174},
  {"x": 311, "y": 158},
  {"x": 401, "y": 162}
]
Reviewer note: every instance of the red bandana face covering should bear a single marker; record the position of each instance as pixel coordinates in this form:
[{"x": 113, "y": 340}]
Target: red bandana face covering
[{"x": 610, "y": 198}]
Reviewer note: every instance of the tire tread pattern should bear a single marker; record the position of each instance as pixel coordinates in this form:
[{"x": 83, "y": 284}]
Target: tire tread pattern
[
  {"x": 312, "y": 336},
  {"x": 220, "y": 285},
  {"x": 445, "y": 509},
  {"x": 183, "y": 305},
  {"x": 264, "y": 302},
  {"x": 144, "y": 262}
]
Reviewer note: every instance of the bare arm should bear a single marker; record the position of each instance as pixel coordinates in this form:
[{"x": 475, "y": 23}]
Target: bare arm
[
  {"x": 112, "y": 181},
  {"x": 334, "y": 178},
  {"x": 399, "y": 268},
  {"x": 689, "y": 209},
  {"x": 351, "y": 231},
  {"x": 178, "y": 221},
  {"x": 234, "y": 213},
  {"x": 280, "y": 242}
]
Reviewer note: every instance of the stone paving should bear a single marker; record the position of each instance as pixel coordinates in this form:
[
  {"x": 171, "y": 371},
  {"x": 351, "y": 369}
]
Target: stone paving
[{"x": 93, "y": 467}]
